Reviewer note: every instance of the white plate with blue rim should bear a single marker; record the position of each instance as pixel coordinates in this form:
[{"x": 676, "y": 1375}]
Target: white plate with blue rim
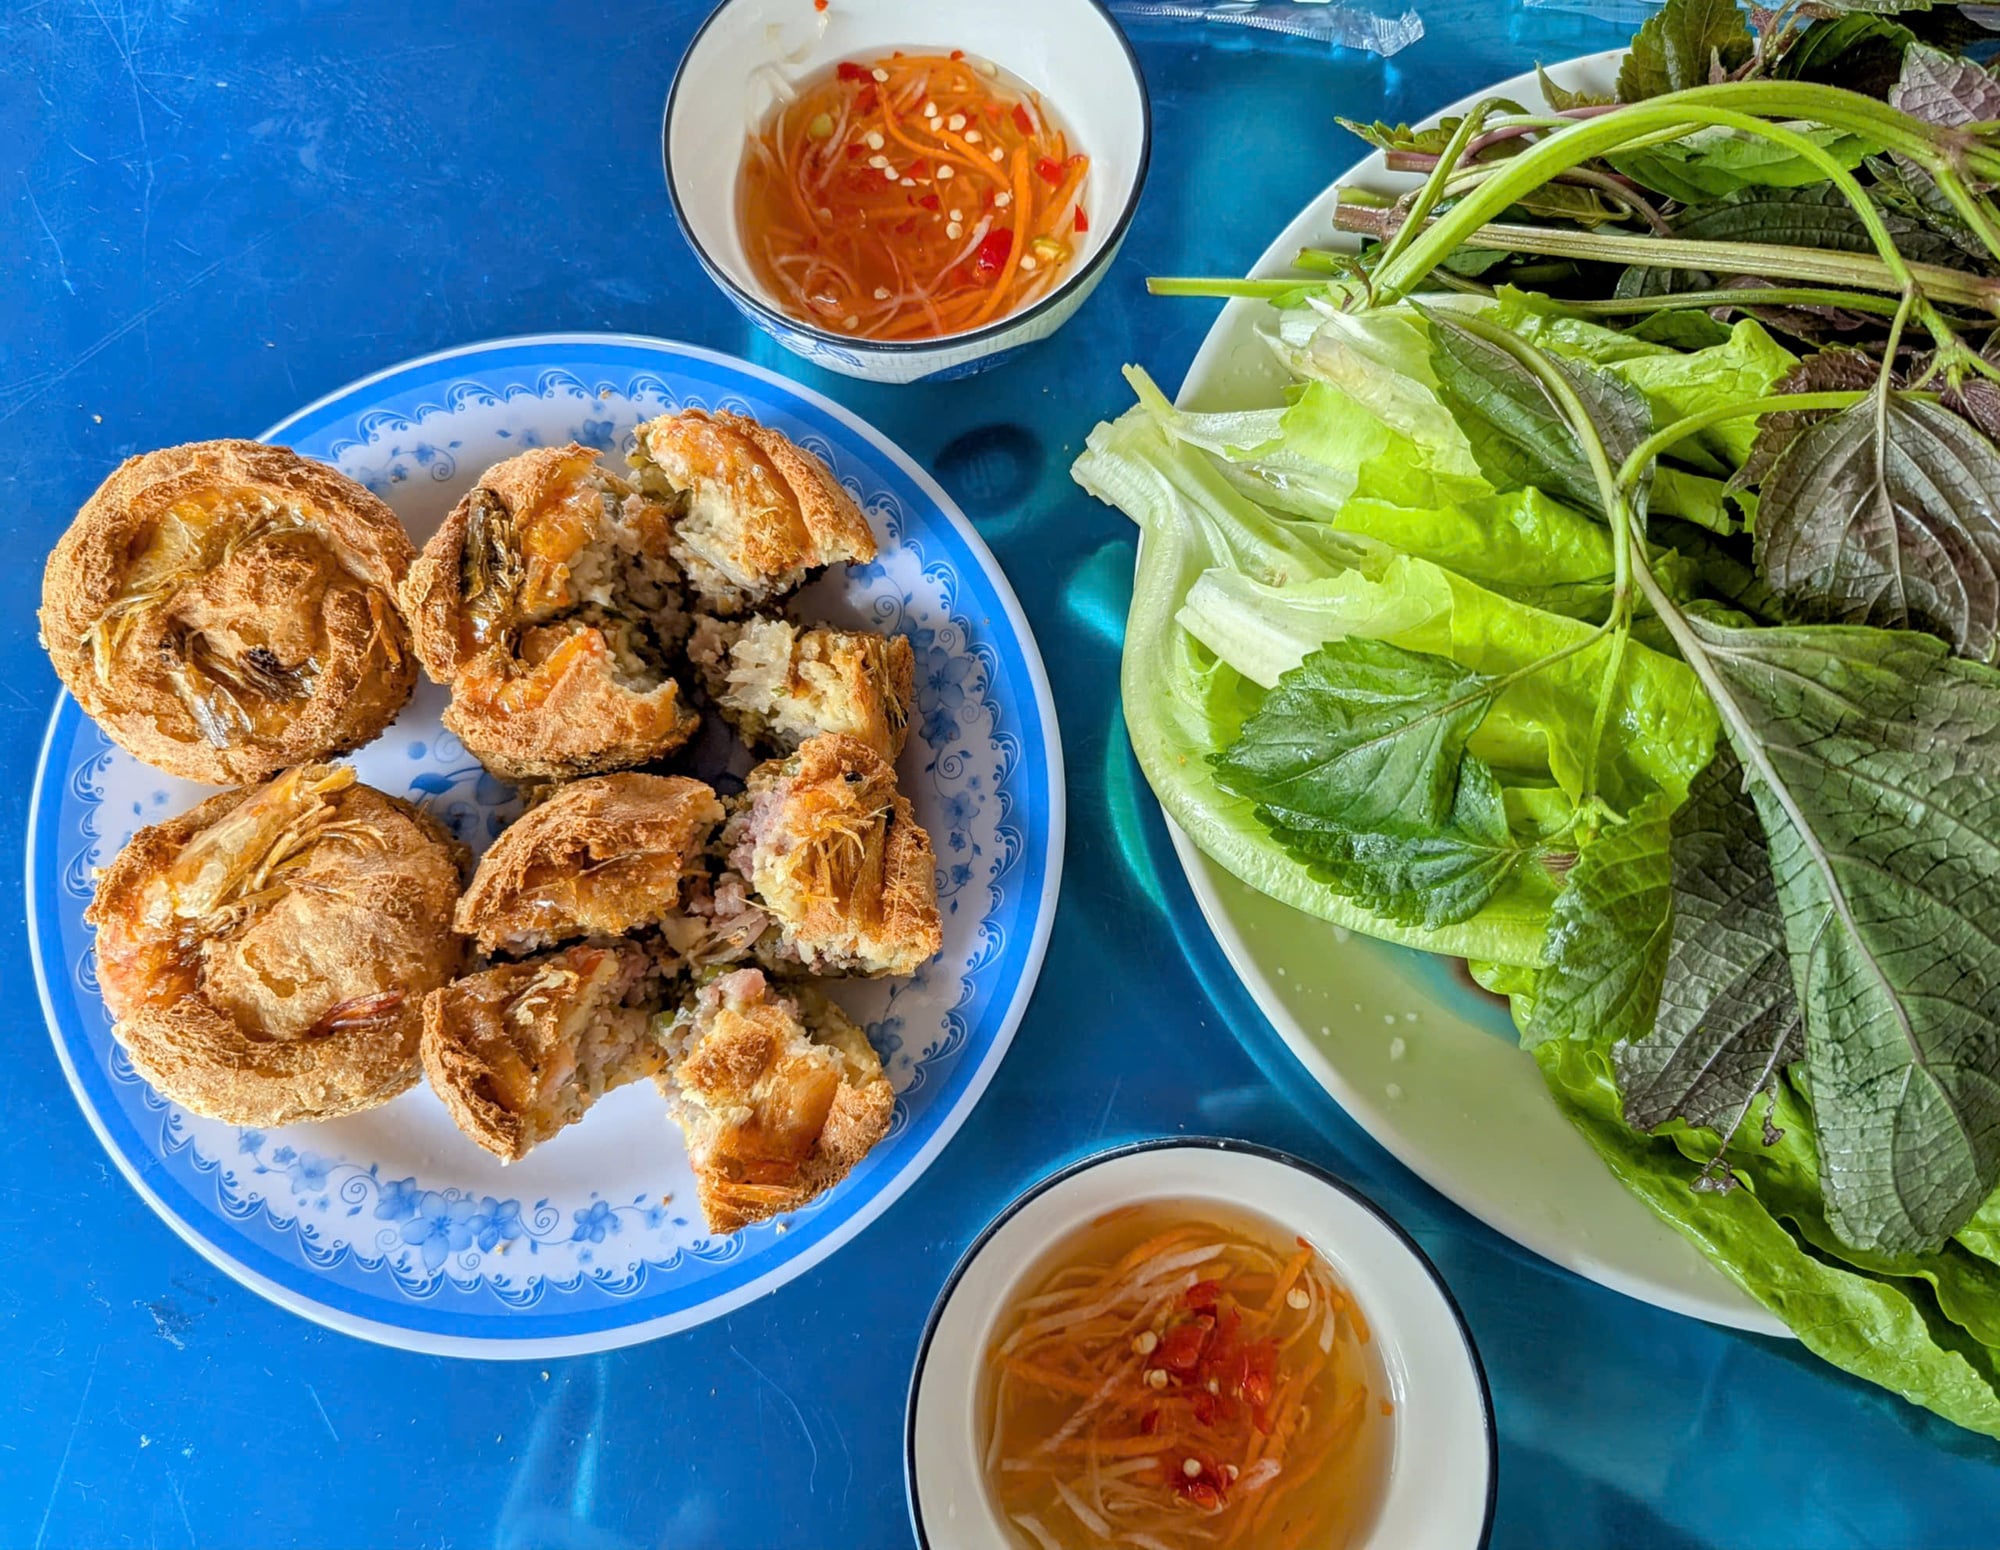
[{"x": 390, "y": 1224}]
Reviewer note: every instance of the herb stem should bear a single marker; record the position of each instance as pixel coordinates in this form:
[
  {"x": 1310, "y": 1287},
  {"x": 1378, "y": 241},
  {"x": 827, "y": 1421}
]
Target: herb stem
[
  {"x": 1730, "y": 106},
  {"x": 1739, "y": 297},
  {"x": 1821, "y": 265},
  {"x": 1643, "y": 455},
  {"x": 1434, "y": 188},
  {"x": 1210, "y": 285}
]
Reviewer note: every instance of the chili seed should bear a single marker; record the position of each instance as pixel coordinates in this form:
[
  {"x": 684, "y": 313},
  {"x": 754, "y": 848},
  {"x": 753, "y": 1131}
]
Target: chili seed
[
  {"x": 954, "y": 230},
  {"x": 943, "y": 173},
  {"x": 881, "y": 293},
  {"x": 972, "y": 137},
  {"x": 1157, "y": 1378},
  {"x": 1298, "y": 1297},
  {"x": 956, "y": 122},
  {"x": 1145, "y": 1342},
  {"x": 874, "y": 138},
  {"x": 879, "y": 73},
  {"x": 1191, "y": 1468}
]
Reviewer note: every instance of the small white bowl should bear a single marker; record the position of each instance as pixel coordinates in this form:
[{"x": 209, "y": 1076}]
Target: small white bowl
[
  {"x": 1442, "y": 1470},
  {"x": 1069, "y": 50}
]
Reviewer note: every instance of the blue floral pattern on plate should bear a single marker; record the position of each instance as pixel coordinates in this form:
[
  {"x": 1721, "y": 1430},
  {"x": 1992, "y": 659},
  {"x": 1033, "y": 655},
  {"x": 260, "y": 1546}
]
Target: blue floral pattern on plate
[{"x": 390, "y": 1224}]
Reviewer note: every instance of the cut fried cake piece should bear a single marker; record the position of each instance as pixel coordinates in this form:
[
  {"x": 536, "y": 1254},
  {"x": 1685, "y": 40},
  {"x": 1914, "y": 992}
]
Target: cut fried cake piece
[
  {"x": 834, "y": 854},
  {"x": 601, "y": 857},
  {"x": 779, "y": 683},
  {"x": 521, "y": 1050},
  {"x": 779, "y": 1094},
  {"x": 755, "y": 514}
]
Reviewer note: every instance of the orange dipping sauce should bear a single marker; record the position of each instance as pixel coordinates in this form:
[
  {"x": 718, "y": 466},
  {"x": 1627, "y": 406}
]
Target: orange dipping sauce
[
  {"x": 910, "y": 198},
  {"x": 1184, "y": 1376}
]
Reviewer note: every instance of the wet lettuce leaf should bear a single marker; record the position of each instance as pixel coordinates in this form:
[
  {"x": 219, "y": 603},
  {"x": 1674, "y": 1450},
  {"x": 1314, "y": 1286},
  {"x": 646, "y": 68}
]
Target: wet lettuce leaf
[{"x": 1892, "y": 1329}]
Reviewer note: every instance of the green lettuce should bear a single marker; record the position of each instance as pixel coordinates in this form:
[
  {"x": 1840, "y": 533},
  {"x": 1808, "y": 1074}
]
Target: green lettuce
[
  {"x": 1184, "y": 705},
  {"x": 1921, "y": 1328}
]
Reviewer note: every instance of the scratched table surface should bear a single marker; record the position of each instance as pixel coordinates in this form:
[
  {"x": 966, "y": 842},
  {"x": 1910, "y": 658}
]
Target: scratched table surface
[{"x": 209, "y": 217}]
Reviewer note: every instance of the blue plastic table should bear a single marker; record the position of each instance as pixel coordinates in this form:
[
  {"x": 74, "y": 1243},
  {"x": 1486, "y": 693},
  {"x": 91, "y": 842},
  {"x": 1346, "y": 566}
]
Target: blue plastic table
[{"x": 208, "y": 218}]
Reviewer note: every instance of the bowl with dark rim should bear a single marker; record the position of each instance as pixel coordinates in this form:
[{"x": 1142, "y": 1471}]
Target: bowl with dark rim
[
  {"x": 1442, "y": 1472},
  {"x": 749, "y": 52}
]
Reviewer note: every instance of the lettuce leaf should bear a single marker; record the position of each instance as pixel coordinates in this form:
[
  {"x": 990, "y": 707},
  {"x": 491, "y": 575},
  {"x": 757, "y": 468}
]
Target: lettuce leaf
[
  {"x": 1890, "y": 1329},
  {"x": 1183, "y": 704},
  {"x": 1537, "y": 728}
]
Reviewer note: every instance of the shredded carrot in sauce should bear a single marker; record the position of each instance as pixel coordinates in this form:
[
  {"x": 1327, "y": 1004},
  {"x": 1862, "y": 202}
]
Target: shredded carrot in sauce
[
  {"x": 1173, "y": 1377},
  {"x": 910, "y": 198}
]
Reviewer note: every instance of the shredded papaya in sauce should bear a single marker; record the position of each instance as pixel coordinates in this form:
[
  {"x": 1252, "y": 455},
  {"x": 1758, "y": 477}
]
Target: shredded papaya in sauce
[
  {"x": 1170, "y": 1380},
  {"x": 910, "y": 198}
]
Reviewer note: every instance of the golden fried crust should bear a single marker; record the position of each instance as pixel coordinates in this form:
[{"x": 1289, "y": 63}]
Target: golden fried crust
[
  {"x": 301, "y": 997},
  {"x": 568, "y": 717},
  {"x": 836, "y": 854},
  {"x": 760, "y": 513},
  {"x": 537, "y": 692},
  {"x": 600, "y": 857},
  {"x": 225, "y": 609},
  {"x": 779, "y": 1097},
  {"x": 433, "y": 595},
  {"x": 506, "y": 1049}
]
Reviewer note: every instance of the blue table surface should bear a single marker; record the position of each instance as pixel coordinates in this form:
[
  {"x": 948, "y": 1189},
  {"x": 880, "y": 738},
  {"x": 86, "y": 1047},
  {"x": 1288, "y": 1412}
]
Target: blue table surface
[{"x": 214, "y": 213}]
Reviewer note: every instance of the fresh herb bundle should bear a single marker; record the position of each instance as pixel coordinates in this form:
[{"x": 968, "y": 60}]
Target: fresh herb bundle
[{"x": 1613, "y": 602}]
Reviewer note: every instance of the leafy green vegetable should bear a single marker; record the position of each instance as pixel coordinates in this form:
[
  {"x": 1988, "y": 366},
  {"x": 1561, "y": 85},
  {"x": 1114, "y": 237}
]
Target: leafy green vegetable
[
  {"x": 1538, "y": 728},
  {"x": 1940, "y": 88},
  {"x": 1874, "y": 760},
  {"x": 1562, "y": 98},
  {"x": 1685, "y": 43},
  {"x": 1889, "y": 1330},
  {"x": 1859, "y": 52},
  {"x": 1835, "y": 370},
  {"x": 1440, "y": 645},
  {"x": 1182, "y": 704},
  {"x": 1607, "y": 944},
  {"x": 1714, "y": 162},
  {"x": 1357, "y": 761},
  {"x": 1363, "y": 732},
  {"x": 1429, "y": 140},
  {"x": 1517, "y": 432},
  {"x": 1728, "y": 1023},
  {"x": 1888, "y": 513}
]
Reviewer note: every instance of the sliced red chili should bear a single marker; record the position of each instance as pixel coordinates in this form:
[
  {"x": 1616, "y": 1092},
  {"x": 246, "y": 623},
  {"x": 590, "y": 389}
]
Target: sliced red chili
[
  {"x": 1202, "y": 1294},
  {"x": 1082, "y": 220},
  {"x": 865, "y": 100},
  {"x": 1202, "y": 1493},
  {"x": 848, "y": 70},
  {"x": 854, "y": 150},
  {"x": 1149, "y": 1423},
  {"x": 1021, "y": 120},
  {"x": 1181, "y": 1350},
  {"x": 929, "y": 201},
  {"x": 1260, "y": 1373},
  {"x": 991, "y": 256},
  {"x": 1050, "y": 169},
  {"x": 917, "y": 169}
]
